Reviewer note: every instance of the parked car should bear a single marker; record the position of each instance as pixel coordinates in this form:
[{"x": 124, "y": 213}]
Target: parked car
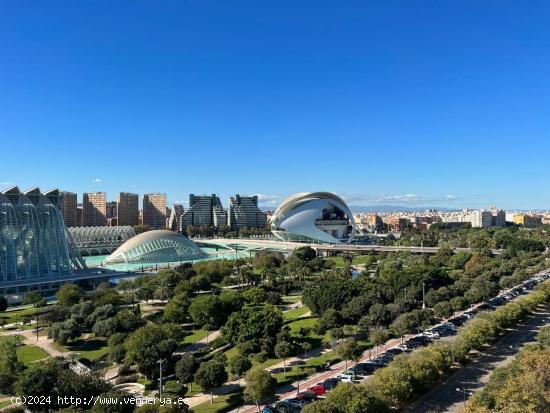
[
  {"x": 346, "y": 378},
  {"x": 285, "y": 406},
  {"x": 307, "y": 396},
  {"x": 296, "y": 403},
  {"x": 330, "y": 384},
  {"x": 361, "y": 369},
  {"x": 318, "y": 389}
]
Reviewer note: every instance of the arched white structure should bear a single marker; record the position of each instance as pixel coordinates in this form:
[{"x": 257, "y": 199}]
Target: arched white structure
[
  {"x": 313, "y": 217},
  {"x": 156, "y": 246}
]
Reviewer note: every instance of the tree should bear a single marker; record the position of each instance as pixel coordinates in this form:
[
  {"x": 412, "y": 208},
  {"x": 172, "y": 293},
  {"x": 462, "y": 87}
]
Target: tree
[
  {"x": 349, "y": 350},
  {"x": 283, "y": 349},
  {"x": 69, "y": 294},
  {"x": 329, "y": 320},
  {"x": 379, "y": 336},
  {"x": 65, "y": 331},
  {"x": 54, "y": 378},
  {"x": 149, "y": 344},
  {"x": 239, "y": 364},
  {"x": 186, "y": 368},
  {"x": 259, "y": 385},
  {"x": 207, "y": 310},
  {"x": 444, "y": 309},
  {"x": 177, "y": 308},
  {"x": 211, "y": 374},
  {"x": 253, "y": 324},
  {"x": 9, "y": 365}
]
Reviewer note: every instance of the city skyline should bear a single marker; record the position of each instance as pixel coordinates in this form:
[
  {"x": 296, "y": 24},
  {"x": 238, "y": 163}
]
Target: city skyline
[{"x": 380, "y": 103}]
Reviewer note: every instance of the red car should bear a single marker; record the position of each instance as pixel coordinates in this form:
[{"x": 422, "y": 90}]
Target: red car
[{"x": 318, "y": 389}]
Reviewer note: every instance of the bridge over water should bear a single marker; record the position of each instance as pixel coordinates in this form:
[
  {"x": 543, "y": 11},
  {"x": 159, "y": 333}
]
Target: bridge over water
[{"x": 287, "y": 246}]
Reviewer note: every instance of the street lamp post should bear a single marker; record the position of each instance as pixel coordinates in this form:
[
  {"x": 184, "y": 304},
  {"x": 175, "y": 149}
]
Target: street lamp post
[{"x": 160, "y": 376}]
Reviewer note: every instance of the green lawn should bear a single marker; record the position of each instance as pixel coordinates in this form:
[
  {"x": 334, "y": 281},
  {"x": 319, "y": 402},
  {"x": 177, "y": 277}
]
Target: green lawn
[
  {"x": 13, "y": 316},
  {"x": 91, "y": 348},
  {"x": 5, "y": 403},
  {"x": 295, "y": 313},
  {"x": 295, "y": 372},
  {"x": 221, "y": 404},
  {"x": 195, "y": 336},
  {"x": 29, "y": 354},
  {"x": 291, "y": 299}
]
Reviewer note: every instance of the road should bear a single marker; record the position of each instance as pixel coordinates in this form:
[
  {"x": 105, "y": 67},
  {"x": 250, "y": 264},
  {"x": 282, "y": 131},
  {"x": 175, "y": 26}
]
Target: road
[{"x": 474, "y": 376}]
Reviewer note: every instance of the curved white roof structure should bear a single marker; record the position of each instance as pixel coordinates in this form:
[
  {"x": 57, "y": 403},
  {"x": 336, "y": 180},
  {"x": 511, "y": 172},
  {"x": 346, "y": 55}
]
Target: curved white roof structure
[
  {"x": 314, "y": 217},
  {"x": 156, "y": 246}
]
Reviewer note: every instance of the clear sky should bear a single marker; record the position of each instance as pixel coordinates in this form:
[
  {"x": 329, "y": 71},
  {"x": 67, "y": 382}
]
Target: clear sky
[{"x": 384, "y": 102}]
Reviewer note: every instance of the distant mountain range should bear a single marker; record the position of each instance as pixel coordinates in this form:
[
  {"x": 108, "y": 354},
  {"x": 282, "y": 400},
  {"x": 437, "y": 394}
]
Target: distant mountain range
[
  {"x": 397, "y": 208},
  {"x": 383, "y": 208}
]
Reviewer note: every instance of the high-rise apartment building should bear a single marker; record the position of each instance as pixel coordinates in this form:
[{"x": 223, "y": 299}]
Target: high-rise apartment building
[
  {"x": 127, "y": 209},
  {"x": 482, "y": 219},
  {"x": 174, "y": 221},
  {"x": 244, "y": 213},
  {"x": 204, "y": 210},
  {"x": 94, "y": 209},
  {"x": 68, "y": 207},
  {"x": 154, "y": 210}
]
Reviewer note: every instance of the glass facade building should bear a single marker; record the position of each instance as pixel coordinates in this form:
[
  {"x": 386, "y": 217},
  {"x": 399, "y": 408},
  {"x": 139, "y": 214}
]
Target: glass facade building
[{"x": 33, "y": 243}]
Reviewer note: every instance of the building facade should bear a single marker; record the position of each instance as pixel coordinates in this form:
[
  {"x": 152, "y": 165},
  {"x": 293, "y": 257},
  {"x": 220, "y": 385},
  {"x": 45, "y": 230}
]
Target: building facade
[
  {"x": 174, "y": 221},
  {"x": 68, "y": 204},
  {"x": 94, "y": 209},
  {"x": 204, "y": 210},
  {"x": 154, "y": 210},
  {"x": 32, "y": 238},
  {"x": 127, "y": 209},
  {"x": 244, "y": 213}
]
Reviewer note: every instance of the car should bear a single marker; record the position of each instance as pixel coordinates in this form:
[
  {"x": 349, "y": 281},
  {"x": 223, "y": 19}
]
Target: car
[
  {"x": 318, "y": 389},
  {"x": 395, "y": 351},
  {"x": 284, "y": 406},
  {"x": 376, "y": 362},
  {"x": 307, "y": 396},
  {"x": 346, "y": 378},
  {"x": 270, "y": 409},
  {"x": 296, "y": 403},
  {"x": 431, "y": 334},
  {"x": 403, "y": 347},
  {"x": 361, "y": 369},
  {"x": 330, "y": 384}
]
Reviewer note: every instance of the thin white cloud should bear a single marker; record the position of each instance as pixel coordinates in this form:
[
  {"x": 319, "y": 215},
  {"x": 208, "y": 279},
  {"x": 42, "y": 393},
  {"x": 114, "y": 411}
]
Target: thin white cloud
[
  {"x": 268, "y": 200},
  {"x": 400, "y": 199},
  {"x": 97, "y": 180}
]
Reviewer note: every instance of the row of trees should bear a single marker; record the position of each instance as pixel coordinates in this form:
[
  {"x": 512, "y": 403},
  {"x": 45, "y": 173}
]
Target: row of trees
[
  {"x": 523, "y": 385},
  {"x": 408, "y": 376}
]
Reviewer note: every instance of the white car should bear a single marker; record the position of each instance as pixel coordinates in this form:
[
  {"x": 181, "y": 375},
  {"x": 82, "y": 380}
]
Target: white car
[{"x": 345, "y": 378}]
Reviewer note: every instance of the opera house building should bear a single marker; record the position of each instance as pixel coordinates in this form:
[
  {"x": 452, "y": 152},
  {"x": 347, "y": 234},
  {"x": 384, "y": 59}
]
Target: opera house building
[{"x": 316, "y": 217}]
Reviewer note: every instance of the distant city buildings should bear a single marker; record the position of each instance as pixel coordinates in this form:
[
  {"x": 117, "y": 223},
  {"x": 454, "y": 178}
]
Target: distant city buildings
[
  {"x": 127, "y": 209},
  {"x": 485, "y": 219},
  {"x": 94, "y": 209},
  {"x": 528, "y": 221},
  {"x": 68, "y": 205},
  {"x": 154, "y": 210},
  {"x": 244, "y": 213},
  {"x": 204, "y": 210}
]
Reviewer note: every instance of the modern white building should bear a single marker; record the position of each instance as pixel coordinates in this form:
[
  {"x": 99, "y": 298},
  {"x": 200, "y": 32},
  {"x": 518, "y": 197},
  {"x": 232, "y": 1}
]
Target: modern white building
[{"x": 321, "y": 217}]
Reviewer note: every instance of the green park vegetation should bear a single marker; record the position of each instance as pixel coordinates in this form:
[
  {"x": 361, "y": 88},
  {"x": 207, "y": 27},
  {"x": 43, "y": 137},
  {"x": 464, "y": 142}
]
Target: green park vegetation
[
  {"x": 522, "y": 385},
  {"x": 348, "y": 315}
]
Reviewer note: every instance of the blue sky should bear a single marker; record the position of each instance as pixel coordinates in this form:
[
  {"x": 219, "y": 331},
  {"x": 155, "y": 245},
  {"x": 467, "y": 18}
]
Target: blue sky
[{"x": 384, "y": 102}]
